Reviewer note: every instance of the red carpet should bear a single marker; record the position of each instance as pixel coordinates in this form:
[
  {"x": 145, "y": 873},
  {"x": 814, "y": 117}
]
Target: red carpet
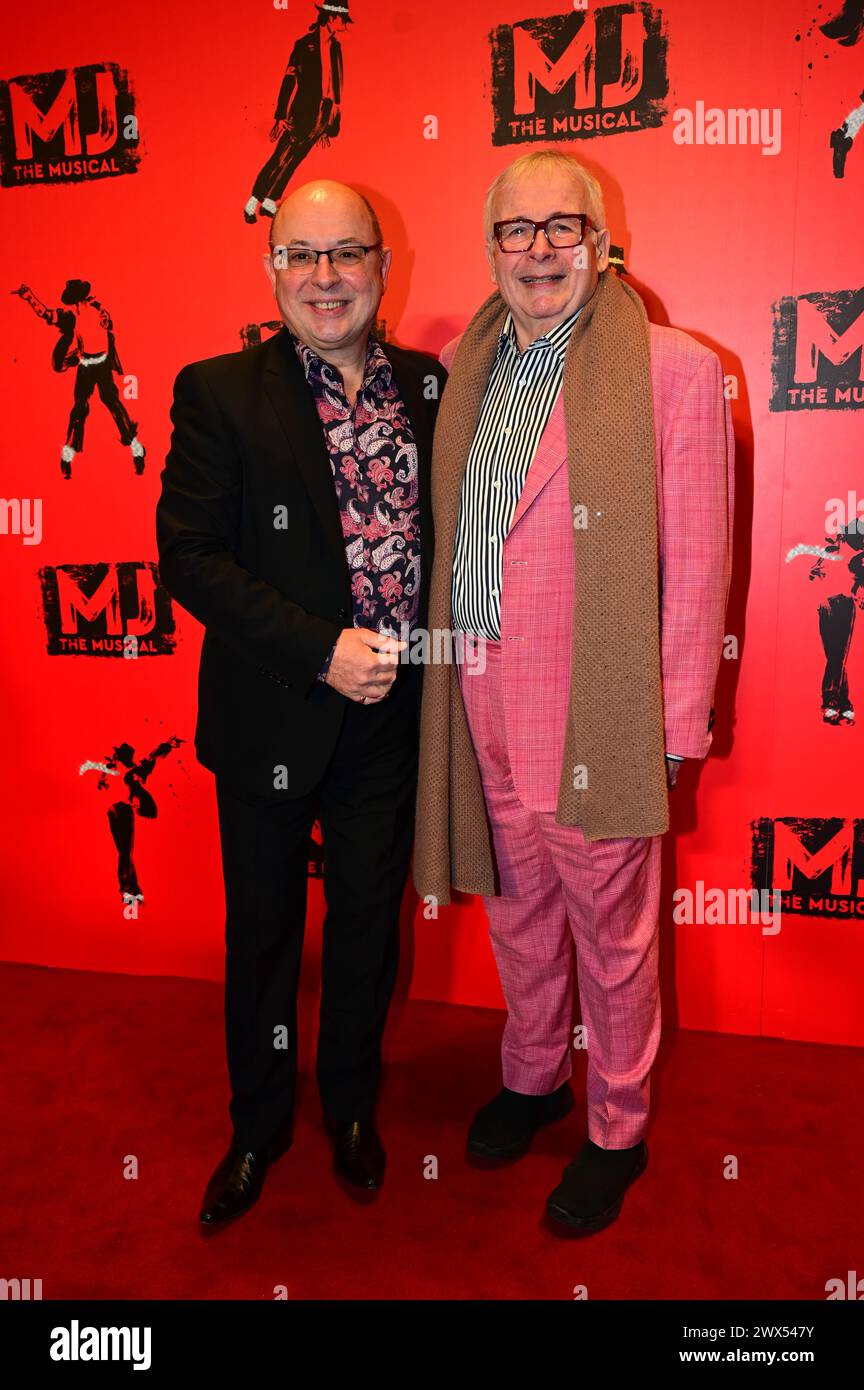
[{"x": 99, "y": 1067}]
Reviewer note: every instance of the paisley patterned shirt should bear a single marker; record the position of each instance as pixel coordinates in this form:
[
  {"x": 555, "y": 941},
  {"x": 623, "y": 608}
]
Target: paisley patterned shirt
[{"x": 373, "y": 459}]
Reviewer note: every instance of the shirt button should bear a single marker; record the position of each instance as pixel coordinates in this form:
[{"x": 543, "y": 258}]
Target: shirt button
[
  {"x": 496, "y": 484},
  {"x": 493, "y": 539},
  {"x": 508, "y": 429},
  {"x": 494, "y": 593}
]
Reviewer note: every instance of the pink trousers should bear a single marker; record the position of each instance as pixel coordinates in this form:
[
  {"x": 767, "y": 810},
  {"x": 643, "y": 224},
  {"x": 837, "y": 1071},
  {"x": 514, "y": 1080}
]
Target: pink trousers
[{"x": 560, "y": 891}]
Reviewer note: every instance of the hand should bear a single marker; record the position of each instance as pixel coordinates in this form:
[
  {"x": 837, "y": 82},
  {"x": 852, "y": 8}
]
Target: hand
[
  {"x": 364, "y": 664},
  {"x": 279, "y": 129},
  {"x": 673, "y": 767}
]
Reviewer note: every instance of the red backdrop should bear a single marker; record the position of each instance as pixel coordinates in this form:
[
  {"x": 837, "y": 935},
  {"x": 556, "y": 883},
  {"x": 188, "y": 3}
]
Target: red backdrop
[{"x": 720, "y": 238}]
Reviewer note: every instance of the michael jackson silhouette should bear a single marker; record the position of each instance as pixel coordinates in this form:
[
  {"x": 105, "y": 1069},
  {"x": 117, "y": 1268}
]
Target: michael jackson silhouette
[
  {"x": 121, "y": 815},
  {"x": 837, "y": 617},
  {"x": 86, "y": 342},
  {"x": 308, "y": 107}
]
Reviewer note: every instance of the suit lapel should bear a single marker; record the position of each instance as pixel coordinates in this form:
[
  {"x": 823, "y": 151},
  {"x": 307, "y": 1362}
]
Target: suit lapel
[
  {"x": 417, "y": 408},
  {"x": 550, "y": 456},
  {"x": 294, "y": 406},
  {"x": 410, "y": 385}
]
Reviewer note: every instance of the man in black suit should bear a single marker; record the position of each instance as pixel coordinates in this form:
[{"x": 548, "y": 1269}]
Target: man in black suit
[{"x": 294, "y": 502}]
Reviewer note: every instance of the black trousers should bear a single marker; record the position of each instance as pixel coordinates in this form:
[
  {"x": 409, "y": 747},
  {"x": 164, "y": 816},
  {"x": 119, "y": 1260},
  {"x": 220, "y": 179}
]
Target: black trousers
[
  {"x": 365, "y": 805},
  {"x": 836, "y": 624}
]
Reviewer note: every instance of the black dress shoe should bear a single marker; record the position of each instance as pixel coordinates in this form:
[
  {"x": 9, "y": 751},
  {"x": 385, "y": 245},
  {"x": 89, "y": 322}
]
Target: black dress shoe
[
  {"x": 238, "y": 1179},
  {"x": 506, "y": 1126},
  {"x": 591, "y": 1191},
  {"x": 358, "y": 1152}
]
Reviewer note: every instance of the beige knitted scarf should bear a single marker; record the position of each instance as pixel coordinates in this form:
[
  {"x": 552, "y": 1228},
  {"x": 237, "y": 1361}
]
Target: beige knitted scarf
[{"x": 613, "y": 773}]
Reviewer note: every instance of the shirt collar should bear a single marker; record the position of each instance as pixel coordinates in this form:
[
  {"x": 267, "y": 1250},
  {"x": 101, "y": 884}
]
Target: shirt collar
[
  {"x": 558, "y": 337},
  {"x": 318, "y": 372}
]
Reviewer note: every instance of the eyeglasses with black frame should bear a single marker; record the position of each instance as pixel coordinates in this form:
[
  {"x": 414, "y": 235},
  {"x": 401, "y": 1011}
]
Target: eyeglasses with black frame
[
  {"x": 305, "y": 258},
  {"x": 562, "y": 230}
]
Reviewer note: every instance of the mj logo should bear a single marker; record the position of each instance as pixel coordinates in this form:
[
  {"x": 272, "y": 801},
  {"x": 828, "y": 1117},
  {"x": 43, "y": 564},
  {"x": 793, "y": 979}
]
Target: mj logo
[
  {"x": 816, "y": 864},
  {"x": 817, "y": 357},
  {"x": 579, "y": 75},
  {"x": 111, "y": 609},
  {"x": 67, "y": 126}
]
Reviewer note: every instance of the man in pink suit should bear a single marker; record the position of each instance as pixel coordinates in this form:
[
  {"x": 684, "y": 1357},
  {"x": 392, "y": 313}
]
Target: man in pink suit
[{"x": 554, "y": 877}]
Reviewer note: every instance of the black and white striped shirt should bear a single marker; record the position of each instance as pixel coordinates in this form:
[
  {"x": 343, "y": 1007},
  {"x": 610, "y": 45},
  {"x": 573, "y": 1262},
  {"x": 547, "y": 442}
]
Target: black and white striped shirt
[{"x": 518, "y": 401}]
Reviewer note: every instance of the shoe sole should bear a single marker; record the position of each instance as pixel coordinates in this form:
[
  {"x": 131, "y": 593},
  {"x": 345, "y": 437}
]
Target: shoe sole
[
  {"x": 349, "y": 1185},
  {"x": 587, "y": 1225},
  {"x": 517, "y": 1150},
  {"x": 364, "y": 1194}
]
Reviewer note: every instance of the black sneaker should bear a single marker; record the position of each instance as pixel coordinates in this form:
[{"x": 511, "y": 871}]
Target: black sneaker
[
  {"x": 506, "y": 1126},
  {"x": 592, "y": 1188}
]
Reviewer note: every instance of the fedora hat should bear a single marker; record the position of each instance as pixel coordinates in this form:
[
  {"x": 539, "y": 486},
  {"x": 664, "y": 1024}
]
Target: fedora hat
[
  {"x": 335, "y": 7},
  {"x": 75, "y": 291}
]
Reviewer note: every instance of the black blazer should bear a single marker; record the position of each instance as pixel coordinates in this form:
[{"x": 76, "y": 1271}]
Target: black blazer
[{"x": 246, "y": 440}]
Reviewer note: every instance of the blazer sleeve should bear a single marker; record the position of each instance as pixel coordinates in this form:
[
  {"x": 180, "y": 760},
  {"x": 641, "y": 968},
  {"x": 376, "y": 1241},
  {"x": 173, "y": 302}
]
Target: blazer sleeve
[
  {"x": 197, "y": 523},
  {"x": 698, "y": 463}
]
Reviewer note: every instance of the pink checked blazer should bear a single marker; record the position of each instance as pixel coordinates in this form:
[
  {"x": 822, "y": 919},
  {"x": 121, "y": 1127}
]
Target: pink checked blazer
[{"x": 695, "y": 495}]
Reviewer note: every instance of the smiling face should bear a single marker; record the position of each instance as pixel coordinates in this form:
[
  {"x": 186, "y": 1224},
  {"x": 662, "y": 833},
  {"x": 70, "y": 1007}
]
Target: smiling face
[
  {"x": 331, "y": 308},
  {"x": 544, "y": 285}
]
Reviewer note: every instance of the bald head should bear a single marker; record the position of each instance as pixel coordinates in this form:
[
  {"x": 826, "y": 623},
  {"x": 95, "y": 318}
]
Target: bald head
[
  {"x": 330, "y": 304},
  {"x": 317, "y": 204}
]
